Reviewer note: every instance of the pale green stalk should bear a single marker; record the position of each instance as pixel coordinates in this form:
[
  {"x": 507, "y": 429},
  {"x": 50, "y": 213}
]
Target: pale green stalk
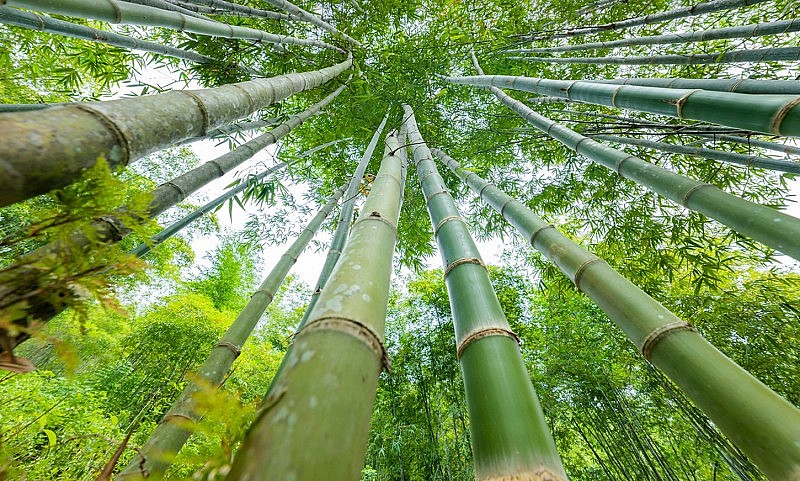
[
  {"x": 230, "y": 129},
  {"x": 165, "y": 5},
  {"x": 70, "y": 138},
  {"x": 301, "y": 14},
  {"x": 509, "y": 435},
  {"x": 742, "y": 86},
  {"x": 761, "y": 423},
  {"x": 221, "y": 6},
  {"x": 314, "y": 424},
  {"x": 778, "y": 54}
]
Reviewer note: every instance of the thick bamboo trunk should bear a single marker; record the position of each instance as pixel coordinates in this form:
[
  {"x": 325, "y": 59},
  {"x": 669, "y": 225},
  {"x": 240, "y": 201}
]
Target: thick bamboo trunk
[
  {"x": 745, "y": 31},
  {"x": 47, "y": 149},
  {"x": 681, "y": 12},
  {"x": 729, "y": 157},
  {"x": 770, "y": 114},
  {"x": 222, "y": 6},
  {"x": 741, "y": 86},
  {"x": 761, "y": 423},
  {"x": 339, "y": 238},
  {"x": 314, "y": 424},
  {"x": 779, "y": 54},
  {"x": 115, "y": 11},
  {"x": 158, "y": 452},
  {"x": 509, "y": 434},
  {"x": 28, "y": 297}
]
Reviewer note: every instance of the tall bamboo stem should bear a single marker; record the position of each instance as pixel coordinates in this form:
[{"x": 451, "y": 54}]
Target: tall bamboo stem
[
  {"x": 742, "y": 86},
  {"x": 228, "y": 7},
  {"x": 778, "y": 54}
]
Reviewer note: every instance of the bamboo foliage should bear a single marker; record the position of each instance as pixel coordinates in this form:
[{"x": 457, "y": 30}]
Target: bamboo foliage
[
  {"x": 769, "y": 114},
  {"x": 115, "y": 11},
  {"x": 325, "y": 394},
  {"x": 766, "y": 225},
  {"x": 742, "y": 86},
  {"x": 729, "y": 157},
  {"x": 761, "y": 423},
  {"x": 176, "y": 426},
  {"x": 42, "y": 302},
  {"x": 70, "y": 138},
  {"x": 779, "y": 54},
  {"x": 509, "y": 434}
]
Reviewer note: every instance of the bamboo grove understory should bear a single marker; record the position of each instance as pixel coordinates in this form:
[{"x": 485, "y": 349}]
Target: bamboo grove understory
[{"x": 314, "y": 420}]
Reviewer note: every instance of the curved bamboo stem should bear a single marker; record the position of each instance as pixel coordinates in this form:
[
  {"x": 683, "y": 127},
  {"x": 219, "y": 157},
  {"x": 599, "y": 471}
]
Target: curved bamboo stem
[
  {"x": 780, "y": 54},
  {"x": 509, "y": 434},
  {"x": 742, "y": 86},
  {"x": 72, "y": 137},
  {"x": 762, "y": 424}
]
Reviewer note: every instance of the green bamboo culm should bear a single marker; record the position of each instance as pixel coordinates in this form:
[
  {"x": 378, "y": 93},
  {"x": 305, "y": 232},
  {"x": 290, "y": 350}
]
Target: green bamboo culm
[
  {"x": 19, "y": 18},
  {"x": 778, "y": 54},
  {"x": 728, "y": 157},
  {"x": 314, "y": 424},
  {"x": 742, "y": 86},
  {"x": 160, "y": 449},
  {"x": 508, "y": 432},
  {"x": 220, "y": 6},
  {"x": 50, "y": 300},
  {"x": 158, "y": 239},
  {"x": 761, "y": 423},
  {"x": 769, "y": 114},
  {"x": 680, "y": 12},
  {"x": 744, "y": 31},
  {"x": 339, "y": 237},
  {"x": 768, "y": 226},
  {"x": 165, "y": 5},
  {"x": 73, "y": 136},
  {"x": 115, "y": 11}
]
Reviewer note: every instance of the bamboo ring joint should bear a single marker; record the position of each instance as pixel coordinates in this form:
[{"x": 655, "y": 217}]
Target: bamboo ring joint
[
  {"x": 353, "y": 328},
  {"x": 463, "y": 260},
  {"x": 650, "y": 341},
  {"x": 236, "y": 350},
  {"x": 480, "y": 334},
  {"x": 536, "y": 232},
  {"x": 576, "y": 278},
  {"x": 178, "y": 188},
  {"x": 121, "y": 140},
  {"x": 202, "y": 107},
  {"x": 169, "y": 416},
  {"x": 775, "y": 125},
  {"x": 690, "y": 192},
  {"x": 444, "y": 221},
  {"x": 377, "y": 216}
]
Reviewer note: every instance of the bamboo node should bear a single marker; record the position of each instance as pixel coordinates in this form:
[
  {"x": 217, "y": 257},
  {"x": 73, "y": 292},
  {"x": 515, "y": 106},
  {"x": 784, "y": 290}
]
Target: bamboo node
[
  {"x": 463, "y": 260},
  {"x": 538, "y": 231},
  {"x": 614, "y": 95},
  {"x": 480, "y": 334},
  {"x": 353, "y": 328},
  {"x": 679, "y": 103},
  {"x": 690, "y": 192},
  {"x": 443, "y": 191},
  {"x": 505, "y": 204},
  {"x": 170, "y": 416},
  {"x": 576, "y": 278},
  {"x": 247, "y": 94},
  {"x": 650, "y": 340},
  {"x": 203, "y": 110},
  {"x": 444, "y": 221},
  {"x": 177, "y": 187},
  {"x": 236, "y": 350},
  {"x": 121, "y": 141},
  {"x": 377, "y": 216},
  {"x": 775, "y": 125},
  {"x": 117, "y": 229}
]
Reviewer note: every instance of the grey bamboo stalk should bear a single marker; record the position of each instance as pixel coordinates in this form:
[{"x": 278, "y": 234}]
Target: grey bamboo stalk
[
  {"x": 115, "y": 11},
  {"x": 339, "y": 238},
  {"x": 230, "y": 129},
  {"x": 301, "y": 14},
  {"x": 761, "y": 423},
  {"x": 71, "y": 138},
  {"x": 202, "y": 9},
  {"x": 770, "y": 114},
  {"x": 325, "y": 395},
  {"x": 766, "y": 225},
  {"x": 145, "y": 247},
  {"x": 745, "y": 31},
  {"x": 742, "y": 86},
  {"x": 165, "y": 5},
  {"x": 158, "y": 452},
  {"x": 509, "y": 434},
  {"x": 681, "y": 12},
  {"x": 227, "y": 7},
  {"x": 19, "y": 18},
  {"x": 780, "y": 54},
  {"x": 728, "y": 157},
  {"x": 44, "y": 302}
]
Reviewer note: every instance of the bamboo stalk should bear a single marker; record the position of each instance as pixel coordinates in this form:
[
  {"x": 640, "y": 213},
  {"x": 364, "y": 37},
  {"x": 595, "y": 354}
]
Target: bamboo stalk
[
  {"x": 339, "y": 239},
  {"x": 227, "y": 7},
  {"x": 114, "y": 11},
  {"x": 166, "y": 441},
  {"x": 202, "y": 9},
  {"x": 680, "y": 12},
  {"x": 71, "y": 138},
  {"x": 742, "y": 86},
  {"x": 761, "y": 423},
  {"x": 780, "y": 54},
  {"x": 22, "y": 281},
  {"x": 165, "y": 5},
  {"x": 230, "y": 129},
  {"x": 325, "y": 395},
  {"x": 509, "y": 434},
  {"x": 309, "y": 17},
  {"x": 729, "y": 157},
  {"x": 744, "y": 31},
  {"x": 12, "y": 16},
  {"x": 770, "y": 114},
  {"x": 768, "y": 226}
]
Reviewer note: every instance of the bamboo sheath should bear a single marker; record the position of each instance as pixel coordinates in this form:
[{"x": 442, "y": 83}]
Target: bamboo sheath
[
  {"x": 742, "y": 86},
  {"x": 509, "y": 434},
  {"x": 44, "y": 302},
  {"x": 681, "y": 12},
  {"x": 745, "y": 31},
  {"x": 115, "y": 11},
  {"x": 768, "y": 226},
  {"x": 47, "y": 149},
  {"x": 325, "y": 395},
  {"x": 227, "y": 7},
  {"x": 339, "y": 238},
  {"x": 780, "y": 54},
  {"x": 770, "y": 114},
  {"x": 166, "y": 441},
  {"x": 761, "y": 423},
  {"x": 728, "y": 157}
]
